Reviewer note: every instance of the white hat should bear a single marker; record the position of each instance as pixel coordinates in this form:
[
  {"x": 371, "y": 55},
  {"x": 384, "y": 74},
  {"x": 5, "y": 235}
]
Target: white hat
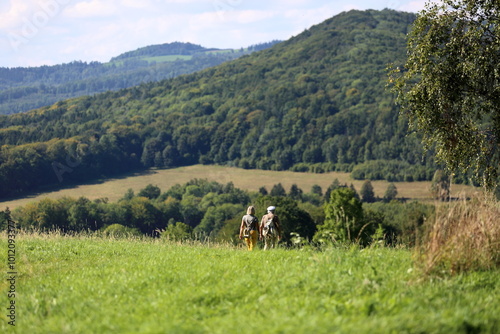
[{"x": 271, "y": 208}]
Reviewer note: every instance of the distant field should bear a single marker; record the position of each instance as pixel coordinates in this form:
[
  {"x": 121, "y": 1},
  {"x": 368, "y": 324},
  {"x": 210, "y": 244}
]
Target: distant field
[
  {"x": 223, "y": 51},
  {"x": 170, "y": 58},
  {"x": 251, "y": 180}
]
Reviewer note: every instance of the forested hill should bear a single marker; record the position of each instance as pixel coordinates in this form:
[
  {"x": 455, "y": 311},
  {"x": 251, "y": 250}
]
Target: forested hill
[
  {"x": 176, "y": 48},
  {"x": 26, "y": 88},
  {"x": 315, "y": 102}
]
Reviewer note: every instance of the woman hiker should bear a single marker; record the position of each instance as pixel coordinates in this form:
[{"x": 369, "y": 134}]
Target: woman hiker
[{"x": 249, "y": 228}]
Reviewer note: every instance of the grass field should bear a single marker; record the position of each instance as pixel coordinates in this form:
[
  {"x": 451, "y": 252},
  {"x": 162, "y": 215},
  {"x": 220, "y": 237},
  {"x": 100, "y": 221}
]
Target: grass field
[
  {"x": 94, "y": 285},
  {"x": 250, "y": 180},
  {"x": 163, "y": 59}
]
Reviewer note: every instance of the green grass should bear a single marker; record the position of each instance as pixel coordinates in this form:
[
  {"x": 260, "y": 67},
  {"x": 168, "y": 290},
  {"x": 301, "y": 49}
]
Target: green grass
[
  {"x": 246, "y": 179},
  {"x": 94, "y": 285},
  {"x": 158, "y": 59},
  {"x": 163, "y": 59}
]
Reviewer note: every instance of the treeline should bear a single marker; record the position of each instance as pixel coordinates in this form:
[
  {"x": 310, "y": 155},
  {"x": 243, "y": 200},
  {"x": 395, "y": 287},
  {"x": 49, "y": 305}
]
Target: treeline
[
  {"x": 201, "y": 209},
  {"x": 23, "y": 89}
]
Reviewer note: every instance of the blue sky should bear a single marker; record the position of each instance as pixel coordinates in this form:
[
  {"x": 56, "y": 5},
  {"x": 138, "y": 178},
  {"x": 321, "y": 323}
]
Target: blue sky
[{"x": 48, "y": 32}]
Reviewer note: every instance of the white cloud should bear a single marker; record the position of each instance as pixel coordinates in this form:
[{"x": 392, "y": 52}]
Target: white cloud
[
  {"x": 252, "y": 16},
  {"x": 413, "y": 6},
  {"x": 13, "y": 14},
  {"x": 300, "y": 19},
  {"x": 90, "y": 30},
  {"x": 92, "y": 9},
  {"x": 234, "y": 16},
  {"x": 136, "y": 3},
  {"x": 294, "y": 3}
]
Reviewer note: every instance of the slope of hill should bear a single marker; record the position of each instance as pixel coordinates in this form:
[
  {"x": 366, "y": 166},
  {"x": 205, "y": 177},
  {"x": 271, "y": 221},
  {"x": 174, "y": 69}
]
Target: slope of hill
[
  {"x": 176, "y": 48},
  {"x": 22, "y": 89},
  {"x": 317, "y": 101}
]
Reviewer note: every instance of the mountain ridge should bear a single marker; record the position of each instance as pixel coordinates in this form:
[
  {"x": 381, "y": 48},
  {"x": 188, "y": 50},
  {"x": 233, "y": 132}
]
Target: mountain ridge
[{"x": 26, "y": 88}]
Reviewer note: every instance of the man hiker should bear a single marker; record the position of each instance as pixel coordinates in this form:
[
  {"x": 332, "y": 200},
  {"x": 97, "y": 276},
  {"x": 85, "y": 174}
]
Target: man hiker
[
  {"x": 270, "y": 228},
  {"x": 249, "y": 227}
]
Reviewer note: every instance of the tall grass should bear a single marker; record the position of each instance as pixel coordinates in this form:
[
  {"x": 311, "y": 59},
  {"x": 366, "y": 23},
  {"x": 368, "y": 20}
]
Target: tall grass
[{"x": 464, "y": 237}]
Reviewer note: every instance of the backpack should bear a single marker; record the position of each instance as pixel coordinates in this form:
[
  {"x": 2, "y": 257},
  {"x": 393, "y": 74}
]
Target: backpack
[
  {"x": 250, "y": 224},
  {"x": 269, "y": 228}
]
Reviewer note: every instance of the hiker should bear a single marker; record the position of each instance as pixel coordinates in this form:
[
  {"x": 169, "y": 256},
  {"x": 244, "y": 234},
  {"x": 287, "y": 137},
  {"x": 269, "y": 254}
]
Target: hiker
[
  {"x": 270, "y": 228},
  {"x": 249, "y": 227}
]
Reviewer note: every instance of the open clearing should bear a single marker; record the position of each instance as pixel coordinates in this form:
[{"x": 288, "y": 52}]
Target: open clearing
[
  {"x": 251, "y": 180},
  {"x": 95, "y": 285}
]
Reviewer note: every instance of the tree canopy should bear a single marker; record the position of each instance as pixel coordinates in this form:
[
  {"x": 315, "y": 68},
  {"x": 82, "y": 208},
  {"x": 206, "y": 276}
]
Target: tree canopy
[{"x": 449, "y": 85}]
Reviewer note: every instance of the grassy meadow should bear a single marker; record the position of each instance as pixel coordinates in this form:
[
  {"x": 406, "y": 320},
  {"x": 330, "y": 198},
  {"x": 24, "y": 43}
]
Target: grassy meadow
[
  {"x": 89, "y": 284},
  {"x": 245, "y": 179}
]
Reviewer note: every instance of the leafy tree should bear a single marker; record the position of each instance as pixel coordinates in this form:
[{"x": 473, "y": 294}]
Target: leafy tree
[
  {"x": 5, "y": 218},
  {"x": 214, "y": 218},
  {"x": 263, "y": 191},
  {"x": 450, "y": 84},
  {"x": 391, "y": 192},
  {"x": 171, "y": 209},
  {"x": 81, "y": 217},
  {"x": 335, "y": 185},
  {"x": 367, "y": 193},
  {"x": 278, "y": 190},
  {"x": 150, "y": 191},
  {"x": 295, "y": 192},
  {"x": 190, "y": 210},
  {"x": 353, "y": 188},
  {"x": 440, "y": 186},
  {"x": 316, "y": 189},
  {"x": 128, "y": 195},
  {"x": 343, "y": 217},
  {"x": 145, "y": 216}
]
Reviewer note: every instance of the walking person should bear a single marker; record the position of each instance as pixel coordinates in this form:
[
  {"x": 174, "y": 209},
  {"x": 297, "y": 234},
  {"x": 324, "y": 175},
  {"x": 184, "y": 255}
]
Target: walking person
[
  {"x": 249, "y": 228},
  {"x": 270, "y": 228}
]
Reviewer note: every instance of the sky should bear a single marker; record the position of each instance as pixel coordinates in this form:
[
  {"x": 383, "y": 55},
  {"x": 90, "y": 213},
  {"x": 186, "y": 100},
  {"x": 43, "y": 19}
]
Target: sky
[{"x": 49, "y": 32}]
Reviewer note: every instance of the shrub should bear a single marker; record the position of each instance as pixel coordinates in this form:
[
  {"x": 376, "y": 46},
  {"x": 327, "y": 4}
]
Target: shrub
[
  {"x": 120, "y": 231},
  {"x": 343, "y": 217},
  {"x": 465, "y": 237},
  {"x": 177, "y": 232}
]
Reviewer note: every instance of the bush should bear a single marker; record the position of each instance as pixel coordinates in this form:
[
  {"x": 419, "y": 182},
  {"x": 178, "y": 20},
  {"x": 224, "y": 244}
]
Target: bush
[
  {"x": 177, "y": 232},
  {"x": 343, "y": 217},
  {"x": 465, "y": 237},
  {"x": 120, "y": 231},
  {"x": 403, "y": 223}
]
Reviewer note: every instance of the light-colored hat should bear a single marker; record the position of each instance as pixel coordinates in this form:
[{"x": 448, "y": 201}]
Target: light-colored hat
[{"x": 271, "y": 208}]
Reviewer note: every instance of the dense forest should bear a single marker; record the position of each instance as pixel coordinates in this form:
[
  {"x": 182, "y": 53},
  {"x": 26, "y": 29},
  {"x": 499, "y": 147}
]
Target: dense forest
[
  {"x": 204, "y": 210},
  {"x": 23, "y": 89},
  {"x": 317, "y": 102}
]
